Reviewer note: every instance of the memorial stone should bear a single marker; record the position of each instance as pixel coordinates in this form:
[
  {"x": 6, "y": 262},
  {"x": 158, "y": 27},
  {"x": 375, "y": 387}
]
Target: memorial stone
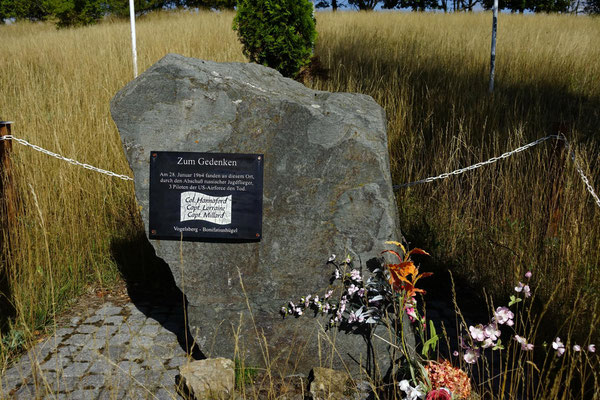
[{"x": 326, "y": 188}]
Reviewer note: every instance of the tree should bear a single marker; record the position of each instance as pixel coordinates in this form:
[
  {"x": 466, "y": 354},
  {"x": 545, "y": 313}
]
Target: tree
[
  {"x": 277, "y": 33},
  {"x": 78, "y": 12},
  {"x": 32, "y": 10},
  {"x": 592, "y": 7},
  {"x": 415, "y": 5}
]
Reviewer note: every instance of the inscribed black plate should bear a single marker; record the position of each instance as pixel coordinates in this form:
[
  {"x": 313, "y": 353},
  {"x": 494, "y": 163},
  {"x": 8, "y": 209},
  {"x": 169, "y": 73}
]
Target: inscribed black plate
[{"x": 206, "y": 196}]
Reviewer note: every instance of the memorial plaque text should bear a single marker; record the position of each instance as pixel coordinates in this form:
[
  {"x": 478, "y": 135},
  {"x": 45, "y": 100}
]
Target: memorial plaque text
[{"x": 205, "y": 196}]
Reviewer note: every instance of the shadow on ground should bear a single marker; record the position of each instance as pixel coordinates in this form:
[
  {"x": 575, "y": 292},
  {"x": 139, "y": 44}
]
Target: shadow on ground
[{"x": 150, "y": 286}]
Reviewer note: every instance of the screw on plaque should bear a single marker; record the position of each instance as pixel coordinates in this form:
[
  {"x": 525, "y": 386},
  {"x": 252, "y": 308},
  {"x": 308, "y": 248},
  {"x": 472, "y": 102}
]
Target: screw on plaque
[
  {"x": 154, "y": 155},
  {"x": 153, "y": 231},
  {"x": 259, "y": 158},
  {"x": 258, "y": 235}
]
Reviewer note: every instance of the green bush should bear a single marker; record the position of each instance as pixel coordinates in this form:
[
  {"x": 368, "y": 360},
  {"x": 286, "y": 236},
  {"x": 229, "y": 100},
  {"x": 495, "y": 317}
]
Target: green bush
[{"x": 277, "y": 33}]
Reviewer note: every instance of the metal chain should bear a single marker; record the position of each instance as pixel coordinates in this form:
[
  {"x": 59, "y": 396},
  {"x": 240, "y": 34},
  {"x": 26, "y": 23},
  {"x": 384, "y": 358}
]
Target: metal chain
[
  {"x": 492, "y": 160},
  {"x": 445, "y": 175},
  {"x": 579, "y": 169},
  {"x": 69, "y": 160}
]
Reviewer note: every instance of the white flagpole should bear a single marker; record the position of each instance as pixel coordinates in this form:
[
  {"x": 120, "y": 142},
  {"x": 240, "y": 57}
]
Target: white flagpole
[
  {"x": 493, "y": 52},
  {"x": 133, "y": 47}
]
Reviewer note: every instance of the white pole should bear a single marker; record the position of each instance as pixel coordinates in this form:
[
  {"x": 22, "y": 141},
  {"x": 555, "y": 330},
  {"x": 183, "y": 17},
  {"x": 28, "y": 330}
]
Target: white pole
[
  {"x": 493, "y": 53},
  {"x": 133, "y": 47}
]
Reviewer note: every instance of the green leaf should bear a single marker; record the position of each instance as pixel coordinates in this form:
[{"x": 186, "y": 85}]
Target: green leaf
[{"x": 513, "y": 300}]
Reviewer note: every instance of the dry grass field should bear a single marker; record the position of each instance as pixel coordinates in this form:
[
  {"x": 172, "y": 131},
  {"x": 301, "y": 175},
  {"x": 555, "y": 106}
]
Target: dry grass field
[{"x": 429, "y": 72}]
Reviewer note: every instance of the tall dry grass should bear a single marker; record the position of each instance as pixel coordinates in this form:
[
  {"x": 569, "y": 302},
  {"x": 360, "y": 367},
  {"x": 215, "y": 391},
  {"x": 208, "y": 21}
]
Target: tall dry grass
[
  {"x": 56, "y": 86},
  {"x": 531, "y": 211},
  {"x": 429, "y": 71}
]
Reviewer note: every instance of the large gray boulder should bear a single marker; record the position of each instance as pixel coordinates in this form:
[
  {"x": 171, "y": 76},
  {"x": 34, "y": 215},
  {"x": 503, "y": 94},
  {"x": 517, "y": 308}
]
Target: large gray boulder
[{"x": 327, "y": 189}]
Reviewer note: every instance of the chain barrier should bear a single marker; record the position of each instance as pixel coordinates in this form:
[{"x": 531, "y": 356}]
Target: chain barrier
[
  {"x": 69, "y": 160},
  {"x": 492, "y": 160},
  {"x": 445, "y": 175}
]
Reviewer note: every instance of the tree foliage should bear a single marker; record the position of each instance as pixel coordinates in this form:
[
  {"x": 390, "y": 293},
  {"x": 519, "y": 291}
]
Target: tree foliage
[{"x": 277, "y": 33}]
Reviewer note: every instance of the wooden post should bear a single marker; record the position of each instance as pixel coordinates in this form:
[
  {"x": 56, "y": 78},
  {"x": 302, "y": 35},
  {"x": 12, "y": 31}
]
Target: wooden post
[
  {"x": 7, "y": 224},
  {"x": 8, "y": 214},
  {"x": 493, "y": 52}
]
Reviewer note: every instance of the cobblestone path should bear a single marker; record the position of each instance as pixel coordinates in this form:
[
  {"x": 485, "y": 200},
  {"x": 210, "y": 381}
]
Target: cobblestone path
[{"x": 117, "y": 351}]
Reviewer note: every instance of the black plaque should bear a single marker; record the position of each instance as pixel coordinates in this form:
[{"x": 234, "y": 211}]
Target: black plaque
[{"x": 206, "y": 196}]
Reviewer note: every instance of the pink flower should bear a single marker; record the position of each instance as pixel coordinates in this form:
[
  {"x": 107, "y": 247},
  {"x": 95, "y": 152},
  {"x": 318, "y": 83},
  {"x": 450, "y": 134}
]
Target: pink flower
[
  {"x": 487, "y": 343},
  {"x": 355, "y": 275},
  {"x": 527, "y": 291},
  {"x": 576, "y": 347},
  {"x": 491, "y": 331},
  {"x": 455, "y": 354},
  {"x": 558, "y": 346},
  {"x": 477, "y": 333},
  {"x": 528, "y": 274},
  {"x": 471, "y": 356},
  {"x": 361, "y": 292},
  {"x": 331, "y": 258},
  {"x": 519, "y": 288},
  {"x": 328, "y": 294},
  {"x": 504, "y": 316},
  {"x": 591, "y": 348},
  {"x": 523, "y": 342},
  {"x": 352, "y": 289}
]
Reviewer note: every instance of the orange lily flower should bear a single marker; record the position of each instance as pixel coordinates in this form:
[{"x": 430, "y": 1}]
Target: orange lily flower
[{"x": 399, "y": 273}]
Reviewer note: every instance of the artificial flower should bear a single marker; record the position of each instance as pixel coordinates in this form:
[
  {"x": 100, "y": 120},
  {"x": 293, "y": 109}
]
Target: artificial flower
[
  {"x": 471, "y": 356},
  {"x": 443, "y": 376},
  {"x": 591, "y": 348},
  {"x": 503, "y": 315},
  {"x": 477, "y": 333},
  {"x": 439, "y": 394},
  {"x": 558, "y": 346},
  {"x": 491, "y": 331}
]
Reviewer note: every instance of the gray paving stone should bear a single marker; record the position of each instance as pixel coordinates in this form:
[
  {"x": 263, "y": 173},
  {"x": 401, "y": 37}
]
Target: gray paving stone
[
  {"x": 86, "y": 355},
  {"x": 134, "y": 353},
  {"x": 61, "y": 332},
  {"x": 119, "y": 339},
  {"x": 112, "y": 394},
  {"x": 150, "y": 329},
  {"x": 95, "y": 343},
  {"x": 166, "y": 336},
  {"x": 100, "y": 366},
  {"x": 153, "y": 364},
  {"x": 92, "y": 381},
  {"x": 77, "y": 339},
  {"x": 130, "y": 368},
  {"x": 142, "y": 341},
  {"x": 176, "y": 362},
  {"x": 164, "y": 352},
  {"x": 76, "y": 369},
  {"x": 85, "y": 394},
  {"x": 108, "y": 309},
  {"x": 114, "y": 320},
  {"x": 87, "y": 328},
  {"x": 94, "y": 319},
  {"x": 168, "y": 379},
  {"x": 164, "y": 394},
  {"x": 25, "y": 392},
  {"x": 115, "y": 352},
  {"x": 55, "y": 363}
]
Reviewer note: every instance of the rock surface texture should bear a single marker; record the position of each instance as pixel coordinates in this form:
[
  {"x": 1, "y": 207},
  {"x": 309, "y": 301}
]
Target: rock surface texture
[
  {"x": 213, "y": 378},
  {"x": 327, "y": 189}
]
